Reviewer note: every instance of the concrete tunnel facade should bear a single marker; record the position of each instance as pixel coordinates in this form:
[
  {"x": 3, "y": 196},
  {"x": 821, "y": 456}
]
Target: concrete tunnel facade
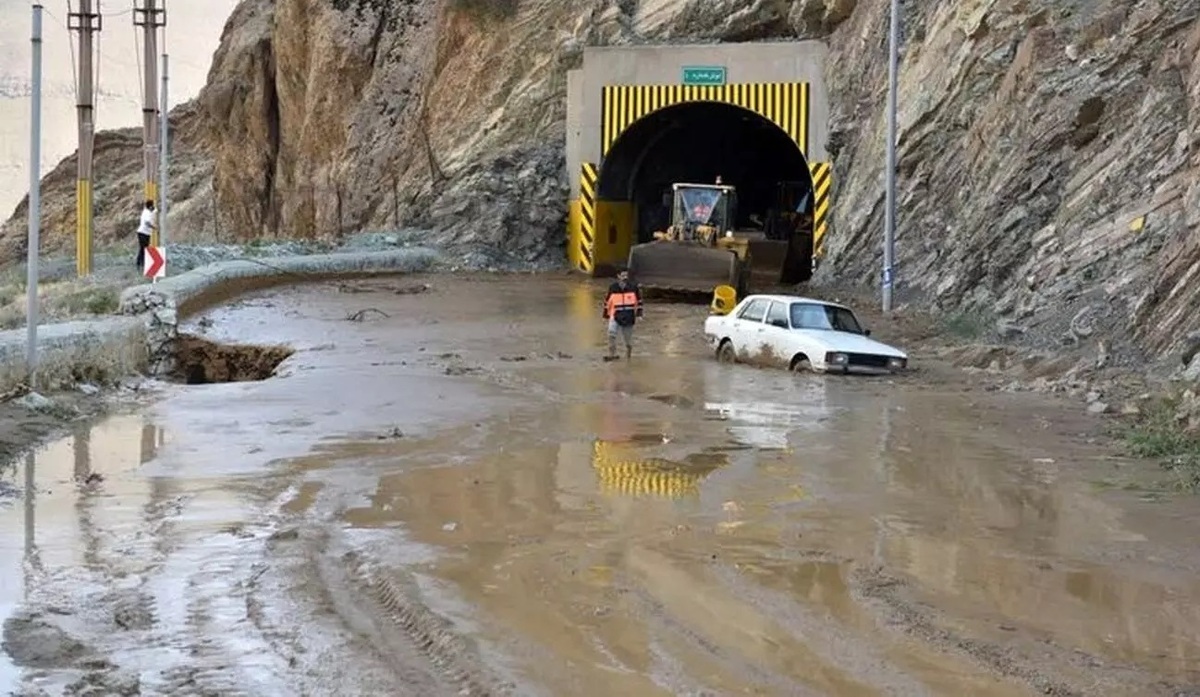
[{"x": 642, "y": 117}]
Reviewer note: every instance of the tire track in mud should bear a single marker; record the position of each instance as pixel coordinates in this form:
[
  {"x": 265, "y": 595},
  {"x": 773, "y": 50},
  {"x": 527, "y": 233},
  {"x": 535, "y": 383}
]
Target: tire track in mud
[
  {"x": 424, "y": 649},
  {"x": 430, "y": 634},
  {"x": 654, "y": 611},
  {"x": 883, "y": 594}
]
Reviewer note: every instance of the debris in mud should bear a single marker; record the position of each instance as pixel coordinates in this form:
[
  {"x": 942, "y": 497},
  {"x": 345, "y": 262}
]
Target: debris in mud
[
  {"x": 284, "y": 535},
  {"x": 394, "y": 433},
  {"x": 91, "y": 479},
  {"x": 673, "y": 400},
  {"x": 104, "y": 683},
  {"x": 363, "y": 313},
  {"x": 460, "y": 370},
  {"x": 513, "y": 359},
  {"x": 413, "y": 289},
  {"x": 35, "y": 402},
  {"x": 199, "y": 361},
  {"x": 131, "y": 610},
  {"x": 35, "y": 643}
]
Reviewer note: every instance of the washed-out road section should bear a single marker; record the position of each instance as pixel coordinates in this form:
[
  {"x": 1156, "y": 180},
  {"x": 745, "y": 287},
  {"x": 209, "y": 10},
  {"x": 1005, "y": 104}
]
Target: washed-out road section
[{"x": 445, "y": 491}]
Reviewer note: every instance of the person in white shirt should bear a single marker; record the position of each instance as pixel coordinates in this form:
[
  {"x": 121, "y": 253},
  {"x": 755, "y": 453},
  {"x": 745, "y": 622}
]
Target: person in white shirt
[{"x": 145, "y": 226}]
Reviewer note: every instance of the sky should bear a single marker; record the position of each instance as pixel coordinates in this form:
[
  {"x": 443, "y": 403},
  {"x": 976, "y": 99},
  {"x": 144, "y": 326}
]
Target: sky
[{"x": 192, "y": 34}]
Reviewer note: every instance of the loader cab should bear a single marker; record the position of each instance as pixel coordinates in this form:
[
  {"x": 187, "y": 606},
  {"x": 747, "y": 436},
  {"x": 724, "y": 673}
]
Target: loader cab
[{"x": 704, "y": 211}]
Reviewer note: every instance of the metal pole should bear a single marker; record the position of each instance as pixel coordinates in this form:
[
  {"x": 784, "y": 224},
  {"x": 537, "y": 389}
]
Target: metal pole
[
  {"x": 35, "y": 201},
  {"x": 162, "y": 160},
  {"x": 889, "y": 235},
  {"x": 86, "y": 22},
  {"x": 148, "y": 16}
]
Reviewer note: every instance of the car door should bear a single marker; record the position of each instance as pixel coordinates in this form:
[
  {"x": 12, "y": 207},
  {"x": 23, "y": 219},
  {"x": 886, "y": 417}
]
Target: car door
[
  {"x": 748, "y": 329},
  {"x": 776, "y": 334}
]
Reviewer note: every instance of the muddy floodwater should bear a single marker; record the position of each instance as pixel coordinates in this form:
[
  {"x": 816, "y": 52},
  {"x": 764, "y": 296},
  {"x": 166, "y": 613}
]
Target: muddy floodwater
[{"x": 445, "y": 491}]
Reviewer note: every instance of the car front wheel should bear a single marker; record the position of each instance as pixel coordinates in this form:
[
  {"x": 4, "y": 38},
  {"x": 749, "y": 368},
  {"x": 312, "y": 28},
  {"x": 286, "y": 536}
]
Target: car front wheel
[
  {"x": 725, "y": 352},
  {"x": 801, "y": 364}
]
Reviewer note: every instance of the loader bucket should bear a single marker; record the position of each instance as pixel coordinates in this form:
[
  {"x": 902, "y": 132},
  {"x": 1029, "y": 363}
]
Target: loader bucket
[
  {"x": 767, "y": 261},
  {"x": 681, "y": 267}
]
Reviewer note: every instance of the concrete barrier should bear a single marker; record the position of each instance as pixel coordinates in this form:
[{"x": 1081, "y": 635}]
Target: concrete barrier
[
  {"x": 70, "y": 352},
  {"x": 141, "y": 339}
]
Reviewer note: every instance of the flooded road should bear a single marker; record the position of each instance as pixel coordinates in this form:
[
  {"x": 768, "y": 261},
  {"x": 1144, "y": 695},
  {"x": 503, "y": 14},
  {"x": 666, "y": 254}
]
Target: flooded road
[{"x": 453, "y": 494}]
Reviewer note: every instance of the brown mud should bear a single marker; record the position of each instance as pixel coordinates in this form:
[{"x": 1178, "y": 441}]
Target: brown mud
[
  {"x": 199, "y": 361},
  {"x": 459, "y": 496}
]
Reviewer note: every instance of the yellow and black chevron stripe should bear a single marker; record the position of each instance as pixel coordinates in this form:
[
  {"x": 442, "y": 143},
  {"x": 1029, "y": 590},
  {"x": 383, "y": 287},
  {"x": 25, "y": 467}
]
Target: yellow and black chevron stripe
[
  {"x": 587, "y": 217},
  {"x": 784, "y": 103},
  {"x": 644, "y": 478},
  {"x": 822, "y": 178},
  {"x": 630, "y": 476}
]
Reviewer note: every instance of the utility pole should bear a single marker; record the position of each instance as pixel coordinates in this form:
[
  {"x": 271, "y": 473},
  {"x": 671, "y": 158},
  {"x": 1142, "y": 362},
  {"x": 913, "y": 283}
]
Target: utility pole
[
  {"x": 889, "y": 234},
  {"x": 149, "y": 16},
  {"x": 35, "y": 202},
  {"x": 164, "y": 142},
  {"x": 86, "y": 22}
]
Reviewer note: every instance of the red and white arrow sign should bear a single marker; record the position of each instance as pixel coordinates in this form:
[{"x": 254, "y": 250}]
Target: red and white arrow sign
[{"x": 155, "y": 263}]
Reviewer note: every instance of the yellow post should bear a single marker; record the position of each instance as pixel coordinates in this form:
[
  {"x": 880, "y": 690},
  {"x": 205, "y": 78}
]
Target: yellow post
[{"x": 83, "y": 227}]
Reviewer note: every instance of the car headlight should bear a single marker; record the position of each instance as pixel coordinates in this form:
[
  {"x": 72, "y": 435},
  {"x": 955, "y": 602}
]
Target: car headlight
[
  {"x": 897, "y": 363},
  {"x": 837, "y": 358}
]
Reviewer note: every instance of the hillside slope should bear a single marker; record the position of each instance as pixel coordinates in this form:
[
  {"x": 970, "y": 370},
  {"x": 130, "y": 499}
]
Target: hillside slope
[
  {"x": 1050, "y": 170},
  {"x": 192, "y": 32}
]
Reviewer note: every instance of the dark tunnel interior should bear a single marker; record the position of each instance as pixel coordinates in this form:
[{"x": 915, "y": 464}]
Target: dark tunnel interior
[{"x": 696, "y": 142}]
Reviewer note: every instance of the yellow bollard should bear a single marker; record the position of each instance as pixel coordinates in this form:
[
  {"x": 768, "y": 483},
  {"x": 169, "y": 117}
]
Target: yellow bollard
[{"x": 724, "y": 300}]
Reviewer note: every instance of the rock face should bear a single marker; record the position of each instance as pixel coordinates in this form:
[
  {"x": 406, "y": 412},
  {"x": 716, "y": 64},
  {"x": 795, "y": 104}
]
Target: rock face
[
  {"x": 1048, "y": 161},
  {"x": 1049, "y": 149}
]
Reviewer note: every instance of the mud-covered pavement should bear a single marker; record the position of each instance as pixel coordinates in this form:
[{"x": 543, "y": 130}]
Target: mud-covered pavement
[{"x": 446, "y": 491}]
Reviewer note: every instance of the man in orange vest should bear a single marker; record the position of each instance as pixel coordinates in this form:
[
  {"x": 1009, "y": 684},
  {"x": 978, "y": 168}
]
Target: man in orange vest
[{"x": 622, "y": 308}]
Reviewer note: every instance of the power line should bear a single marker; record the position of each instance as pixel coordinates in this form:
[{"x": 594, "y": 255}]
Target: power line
[{"x": 137, "y": 57}]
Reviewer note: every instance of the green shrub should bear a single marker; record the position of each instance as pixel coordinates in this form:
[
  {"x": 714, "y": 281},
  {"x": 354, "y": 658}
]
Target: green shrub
[{"x": 1158, "y": 434}]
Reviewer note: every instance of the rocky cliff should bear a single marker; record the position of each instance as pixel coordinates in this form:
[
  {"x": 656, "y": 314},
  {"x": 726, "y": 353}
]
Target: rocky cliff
[{"x": 1049, "y": 161}]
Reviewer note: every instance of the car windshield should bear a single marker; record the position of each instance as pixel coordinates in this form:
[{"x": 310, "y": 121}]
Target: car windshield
[
  {"x": 702, "y": 205},
  {"x": 818, "y": 316}
]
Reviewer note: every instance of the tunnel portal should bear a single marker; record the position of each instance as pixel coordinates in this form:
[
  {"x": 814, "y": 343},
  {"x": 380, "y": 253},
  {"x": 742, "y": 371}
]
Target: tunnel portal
[
  {"x": 642, "y": 118},
  {"x": 697, "y": 142}
]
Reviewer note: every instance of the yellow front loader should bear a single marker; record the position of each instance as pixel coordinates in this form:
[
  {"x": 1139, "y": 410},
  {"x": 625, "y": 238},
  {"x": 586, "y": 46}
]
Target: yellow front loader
[{"x": 702, "y": 249}]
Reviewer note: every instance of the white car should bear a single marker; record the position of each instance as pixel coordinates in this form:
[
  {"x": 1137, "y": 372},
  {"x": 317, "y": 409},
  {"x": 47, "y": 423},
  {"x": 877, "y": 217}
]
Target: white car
[{"x": 799, "y": 334}]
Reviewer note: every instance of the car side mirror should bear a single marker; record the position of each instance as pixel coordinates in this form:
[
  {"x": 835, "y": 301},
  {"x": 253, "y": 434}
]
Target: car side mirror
[
  {"x": 866, "y": 332},
  {"x": 781, "y": 323}
]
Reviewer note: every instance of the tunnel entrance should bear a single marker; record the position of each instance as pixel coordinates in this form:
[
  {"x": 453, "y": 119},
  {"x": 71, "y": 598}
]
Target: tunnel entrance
[{"x": 697, "y": 142}]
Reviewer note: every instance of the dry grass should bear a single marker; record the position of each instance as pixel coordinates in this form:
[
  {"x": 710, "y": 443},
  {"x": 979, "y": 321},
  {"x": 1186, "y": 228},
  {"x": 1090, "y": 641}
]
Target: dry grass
[
  {"x": 63, "y": 297},
  {"x": 61, "y": 301},
  {"x": 98, "y": 363}
]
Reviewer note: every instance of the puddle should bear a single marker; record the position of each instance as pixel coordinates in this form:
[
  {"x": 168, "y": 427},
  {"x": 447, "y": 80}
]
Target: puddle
[
  {"x": 82, "y": 485},
  {"x": 666, "y": 525},
  {"x": 199, "y": 361},
  {"x": 741, "y": 540}
]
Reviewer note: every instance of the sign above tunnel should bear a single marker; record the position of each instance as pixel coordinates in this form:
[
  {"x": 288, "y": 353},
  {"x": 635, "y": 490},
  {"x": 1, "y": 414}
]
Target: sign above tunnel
[{"x": 704, "y": 75}]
